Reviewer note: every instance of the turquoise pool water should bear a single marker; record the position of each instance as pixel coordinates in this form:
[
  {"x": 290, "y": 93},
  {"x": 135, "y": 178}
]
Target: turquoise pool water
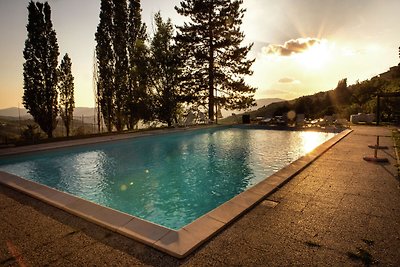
[{"x": 169, "y": 179}]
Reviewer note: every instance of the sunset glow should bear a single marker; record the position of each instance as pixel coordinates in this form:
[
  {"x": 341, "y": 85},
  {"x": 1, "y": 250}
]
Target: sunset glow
[
  {"x": 300, "y": 47},
  {"x": 316, "y": 56}
]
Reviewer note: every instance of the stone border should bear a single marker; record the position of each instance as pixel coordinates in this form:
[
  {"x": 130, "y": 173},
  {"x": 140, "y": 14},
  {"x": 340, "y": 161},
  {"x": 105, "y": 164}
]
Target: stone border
[{"x": 178, "y": 243}]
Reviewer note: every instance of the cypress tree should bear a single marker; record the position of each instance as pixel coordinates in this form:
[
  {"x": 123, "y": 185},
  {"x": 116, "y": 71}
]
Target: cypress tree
[
  {"x": 216, "y": 61},
  {"x": 40, "y": 67},
  {"x": 120, "y": 45},
  {"x": 66, "y": 92},
  {"x": 106, "y": 63},
  {"x": 139, "y": 100},
  {"x": 165, "y": 70},
  {"x": 122, "y": 57}
]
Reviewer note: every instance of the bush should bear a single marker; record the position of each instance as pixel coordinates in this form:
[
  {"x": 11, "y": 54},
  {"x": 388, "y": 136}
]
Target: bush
[{"x": 30, "y": 134}]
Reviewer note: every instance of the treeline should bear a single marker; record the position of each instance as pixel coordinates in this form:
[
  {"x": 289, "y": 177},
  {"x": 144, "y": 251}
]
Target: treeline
[
  {"x": 199, "y": 65},
  {"x": 344, "y": 100}
]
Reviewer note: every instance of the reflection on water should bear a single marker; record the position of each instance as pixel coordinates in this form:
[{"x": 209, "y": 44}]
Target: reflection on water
[
  {"x": 84, "y": 175},
  {"x": 168, "y": 179},
  {"x": 311, "y": 140}
]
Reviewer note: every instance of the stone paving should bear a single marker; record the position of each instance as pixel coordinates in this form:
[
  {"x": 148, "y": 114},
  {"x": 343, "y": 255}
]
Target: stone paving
[{"x": 339, "y": 211}]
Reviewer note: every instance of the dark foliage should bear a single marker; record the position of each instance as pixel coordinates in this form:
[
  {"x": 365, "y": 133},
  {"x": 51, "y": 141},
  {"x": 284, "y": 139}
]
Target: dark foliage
[
  {"x": 66, "y": 92},
  {"x": 40, "y": 67},
  {"x": 106, "y": 63},
  {"x": 344, "y": 100},
  {"x": 122, "y": 58},
  {"x": 121, "y": 70},
  {"x": 166, "y": 67},
  {"x": 139, "y": 103},
  {"x": 216, "y": 63}
]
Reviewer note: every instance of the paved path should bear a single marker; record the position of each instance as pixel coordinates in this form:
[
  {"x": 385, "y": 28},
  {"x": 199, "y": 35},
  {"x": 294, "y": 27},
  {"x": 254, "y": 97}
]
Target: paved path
[{"x": 340, "y": 211}]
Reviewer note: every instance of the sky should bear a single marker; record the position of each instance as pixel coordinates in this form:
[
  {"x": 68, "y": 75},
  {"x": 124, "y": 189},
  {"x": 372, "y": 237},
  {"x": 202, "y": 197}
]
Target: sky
[{"x": 301, "y": 47}]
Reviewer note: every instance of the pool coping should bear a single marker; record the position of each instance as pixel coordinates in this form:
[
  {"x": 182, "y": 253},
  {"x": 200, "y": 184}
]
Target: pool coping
[{"x": 177, "y": 243}]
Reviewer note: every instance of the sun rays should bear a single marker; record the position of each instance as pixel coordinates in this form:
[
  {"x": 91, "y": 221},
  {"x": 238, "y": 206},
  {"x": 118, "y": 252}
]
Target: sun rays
[{"x": 316, "y": 56}]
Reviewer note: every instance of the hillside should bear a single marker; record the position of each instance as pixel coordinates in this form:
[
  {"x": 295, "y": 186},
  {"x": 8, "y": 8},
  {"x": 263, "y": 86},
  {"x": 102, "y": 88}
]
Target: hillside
[
  {"x": 259, "y": 104},
  {"x": 14, "y": 112},
  {"x": 342, "y": 101}
]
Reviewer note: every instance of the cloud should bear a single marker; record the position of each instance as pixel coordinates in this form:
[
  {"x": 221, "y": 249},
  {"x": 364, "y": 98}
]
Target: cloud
[
  {"x": 287, "y": 80},
  {"x": 293, "y": 46},
  {"x": 258, "y": 46}
]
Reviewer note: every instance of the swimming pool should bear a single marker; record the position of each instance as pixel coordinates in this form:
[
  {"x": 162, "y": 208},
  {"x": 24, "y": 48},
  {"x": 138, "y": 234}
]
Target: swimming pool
[{"x": 169, "y": 179}]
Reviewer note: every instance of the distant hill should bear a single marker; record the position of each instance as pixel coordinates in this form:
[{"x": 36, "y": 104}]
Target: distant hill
[
  {"x": 259, "y": 104},
  {"x": 266, "y": 101},
  {"x": 15, "y": 112},
  {"x": 90, "y": 112}
]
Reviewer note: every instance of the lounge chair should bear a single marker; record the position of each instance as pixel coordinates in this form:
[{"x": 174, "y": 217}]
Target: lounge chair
[
  {"x": 189, "y": 119},
  {"x": 202, "y": 117}
]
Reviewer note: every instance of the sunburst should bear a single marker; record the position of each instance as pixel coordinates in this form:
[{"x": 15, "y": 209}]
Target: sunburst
[{"x": 316, "y": 56}]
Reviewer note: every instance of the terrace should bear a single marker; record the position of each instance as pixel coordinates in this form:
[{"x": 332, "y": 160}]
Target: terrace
[{"x": 340, "y": 210}]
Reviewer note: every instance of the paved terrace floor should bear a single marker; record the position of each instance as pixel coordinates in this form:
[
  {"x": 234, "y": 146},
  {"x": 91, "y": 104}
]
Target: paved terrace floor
[{"x": 340, "y": 211}]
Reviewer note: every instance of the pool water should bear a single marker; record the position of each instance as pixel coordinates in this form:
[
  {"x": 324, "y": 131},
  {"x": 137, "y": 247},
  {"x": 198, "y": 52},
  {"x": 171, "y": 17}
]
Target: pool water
[{"x": 169, "y": 179}]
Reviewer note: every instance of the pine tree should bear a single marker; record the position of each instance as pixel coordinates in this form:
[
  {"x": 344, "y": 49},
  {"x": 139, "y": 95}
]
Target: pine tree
[
  {"x": 216, "y": 61},
  {"x": 66, "y": 92},
  {"x": 106, "y": 63},
  {"x": 165, "y": 70},
  {"x": 40, "y": 67}
]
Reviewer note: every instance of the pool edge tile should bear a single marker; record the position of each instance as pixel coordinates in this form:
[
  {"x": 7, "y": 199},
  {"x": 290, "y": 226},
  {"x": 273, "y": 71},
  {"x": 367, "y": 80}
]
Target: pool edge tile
[
  {"x": 184, "y": 241},
  {"x": 143, "y": 231},
  {"x": 248, "y": 198},
  {"x": 204, "y": 227},
  {"x": 177, "y": 243},
  {"x": 227, "y": 212},
  {"x": 111, "y": 218},
  {"x": 28, "y": 187},
  {"x": 84, "y": 208},
  {"x": 18, "y": 182}
]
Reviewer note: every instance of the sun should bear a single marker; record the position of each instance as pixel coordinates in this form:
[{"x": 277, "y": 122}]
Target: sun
[{"x": 316, "y": 56}]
